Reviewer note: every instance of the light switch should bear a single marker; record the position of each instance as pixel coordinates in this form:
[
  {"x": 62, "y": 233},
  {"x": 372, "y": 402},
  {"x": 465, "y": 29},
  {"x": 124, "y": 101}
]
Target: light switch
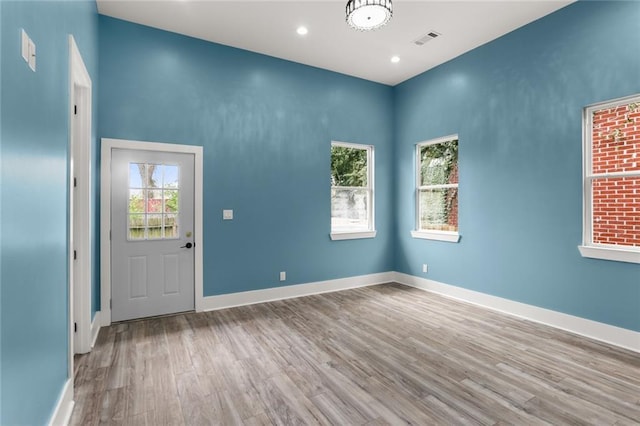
[
  {"x": 227, "y": 214},
  {"x": 32, "y": 55},
  {"x": 25, "y": 46},
  {"x": 28, "y": 50}
]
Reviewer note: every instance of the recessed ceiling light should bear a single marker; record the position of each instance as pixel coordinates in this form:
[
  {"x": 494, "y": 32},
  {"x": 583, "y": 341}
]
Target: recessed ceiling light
[
  {"x": 302, "y": 30},
  {"x": 395, "y": 59}
]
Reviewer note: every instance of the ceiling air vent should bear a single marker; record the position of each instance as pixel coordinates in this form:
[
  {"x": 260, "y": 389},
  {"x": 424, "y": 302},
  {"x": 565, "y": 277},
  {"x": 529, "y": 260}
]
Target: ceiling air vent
[{"x": 425, "y": 38}]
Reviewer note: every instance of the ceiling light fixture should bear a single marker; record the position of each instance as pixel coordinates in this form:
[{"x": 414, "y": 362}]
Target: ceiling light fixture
[
  {"x": 395, "y": 59},
  {"x": 302, "y": 30},
  {"x": 368, "y": 15}
]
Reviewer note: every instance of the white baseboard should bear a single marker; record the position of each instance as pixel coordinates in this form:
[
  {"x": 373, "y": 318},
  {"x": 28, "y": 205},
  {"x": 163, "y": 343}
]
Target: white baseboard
[
  {"x": 606, "y": 333},
  {"x": 610, "y": 334},
  {"x": 211, "y": 303},
  {"x": 62, "y": 413},
  {"x": 95, "y": 327}
]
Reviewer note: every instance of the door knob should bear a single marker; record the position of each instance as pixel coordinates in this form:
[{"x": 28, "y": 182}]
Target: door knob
[{"x": 188, "y": 245}]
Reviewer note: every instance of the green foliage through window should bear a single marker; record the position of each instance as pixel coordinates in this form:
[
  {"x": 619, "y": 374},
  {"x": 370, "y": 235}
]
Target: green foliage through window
[
  {"x": 437, "y": 162},
  {"x": 438, "y": 187},
  {"x": 348, "y": 166},
  {"x": 351, "y": 187},
  {"x": 171, "y": 201}
]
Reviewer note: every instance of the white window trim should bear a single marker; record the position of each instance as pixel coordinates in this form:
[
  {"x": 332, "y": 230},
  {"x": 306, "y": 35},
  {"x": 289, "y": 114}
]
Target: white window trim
[
  {"x": 371, "y": 232},
  {"x": 337, "y": 236},
  {"x": 610, "y": 253},
  {"x": 448, "y": 236},
  {"x": 426, "y": 234},
  {"x": 589, "y": 248}
]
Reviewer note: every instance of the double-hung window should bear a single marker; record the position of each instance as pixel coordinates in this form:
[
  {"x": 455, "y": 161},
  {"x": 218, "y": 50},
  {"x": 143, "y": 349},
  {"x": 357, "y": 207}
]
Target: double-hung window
[
  {"x": 352, "y": 208},
  {"x": 611, "y": 180},
  {"x": 437, "y": 189}
]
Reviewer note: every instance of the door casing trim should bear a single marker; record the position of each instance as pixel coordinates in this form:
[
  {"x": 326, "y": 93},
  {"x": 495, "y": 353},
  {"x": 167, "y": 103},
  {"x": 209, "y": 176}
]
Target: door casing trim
[
  {"x": 105, "y": 214},
  {"x": 80, "y": 212}
]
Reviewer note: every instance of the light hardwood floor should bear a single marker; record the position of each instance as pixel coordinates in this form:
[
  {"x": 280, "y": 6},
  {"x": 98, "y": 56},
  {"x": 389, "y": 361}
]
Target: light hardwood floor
[{"x": 379, "y": 355}]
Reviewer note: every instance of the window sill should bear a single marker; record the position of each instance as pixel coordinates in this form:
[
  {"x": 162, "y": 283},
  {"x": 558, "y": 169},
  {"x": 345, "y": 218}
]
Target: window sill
[
  {"x": 610, "y": 253},
  {"x": 337, "y": 236},
  {"x": 451, "y": 237}
]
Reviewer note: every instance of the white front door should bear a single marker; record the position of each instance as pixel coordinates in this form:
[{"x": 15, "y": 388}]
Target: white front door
[{"x": 152, "y": 256}]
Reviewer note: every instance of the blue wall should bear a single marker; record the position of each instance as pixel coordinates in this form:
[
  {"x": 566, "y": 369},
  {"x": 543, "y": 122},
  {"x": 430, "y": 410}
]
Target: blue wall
[
  {"x": 516, "y": 104},
  {"x": 266, "y": 126},
  {"x": 34, "y": 156}
]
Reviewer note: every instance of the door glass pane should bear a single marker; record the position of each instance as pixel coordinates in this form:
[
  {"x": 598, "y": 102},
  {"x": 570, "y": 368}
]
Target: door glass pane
[
  {"x": 154, "y": 226},
  {"x": 171, "y": 201},
  {"x": 137, "y": 175},
  {"x": 136, "y": 201},
  {"x": 155, "y": 176},
  {"x": 171, "y": 226},
  {"x": 136, "y": 227},
  {"x": 171, "y": 176},
  {"x": 153, "y": 201}
]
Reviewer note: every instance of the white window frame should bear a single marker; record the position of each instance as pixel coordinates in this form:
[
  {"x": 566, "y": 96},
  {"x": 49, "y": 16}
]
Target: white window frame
[
  {"x": 425, "y": 234},
  {"x": 589, "y": 248},
  {"x": 371, "y": 232}
]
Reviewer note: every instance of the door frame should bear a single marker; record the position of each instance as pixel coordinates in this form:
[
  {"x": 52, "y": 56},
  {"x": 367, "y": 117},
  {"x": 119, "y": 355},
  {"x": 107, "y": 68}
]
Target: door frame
[
  {"x": 108, "y": 145},
  {"x": 79, "y": 199}
]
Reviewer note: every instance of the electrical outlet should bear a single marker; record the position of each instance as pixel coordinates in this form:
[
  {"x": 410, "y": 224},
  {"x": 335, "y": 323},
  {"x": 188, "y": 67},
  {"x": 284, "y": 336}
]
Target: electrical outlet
[
  {"x": 283, "y": 276},
  {"x": 424, "y": 268}
]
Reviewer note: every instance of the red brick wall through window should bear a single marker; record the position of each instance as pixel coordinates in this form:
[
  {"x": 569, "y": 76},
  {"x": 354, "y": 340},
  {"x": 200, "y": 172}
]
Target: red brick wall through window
[
  {"x": 616, "y": 201},
  {"x": 452, "y": 200}
]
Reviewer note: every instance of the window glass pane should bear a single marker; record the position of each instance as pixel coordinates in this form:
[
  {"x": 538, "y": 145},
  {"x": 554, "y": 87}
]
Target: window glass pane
[
  {"x": 136, "y": 201},
  {"x": 439, "y": 209},
  {"x": 439, "y": 163},
  {"x": 171, "y": 226},
  {"x": 171, "y": 176},
  {"x": 137, "y": 175},
  {"x": 616, "y": 139},
  {"x": 348, "y": 166},
  {"x": 349, "y": 209},
  {"x": 154, "y": 201},
  {"x": 136, "y": 227},
  {"x": 154, "y": 226},
  {"x": 171, "y": 201},
  {"x": 616, "y": 203}
]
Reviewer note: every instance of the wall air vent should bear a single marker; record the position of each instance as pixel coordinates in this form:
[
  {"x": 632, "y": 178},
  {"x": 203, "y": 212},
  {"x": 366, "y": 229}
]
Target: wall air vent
[{"x": 425, "y": 38}]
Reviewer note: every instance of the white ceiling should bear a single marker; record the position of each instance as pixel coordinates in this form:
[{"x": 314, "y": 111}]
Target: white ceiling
[{"x": 269, "y": 27}]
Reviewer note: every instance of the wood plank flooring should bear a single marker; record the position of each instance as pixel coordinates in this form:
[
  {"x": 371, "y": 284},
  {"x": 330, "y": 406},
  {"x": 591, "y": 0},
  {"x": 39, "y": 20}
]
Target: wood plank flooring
[{"x": 379, "y": 355}]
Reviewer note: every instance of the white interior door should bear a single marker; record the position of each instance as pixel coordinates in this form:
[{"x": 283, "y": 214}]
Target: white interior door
[{"x": 152, "y": 256}]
